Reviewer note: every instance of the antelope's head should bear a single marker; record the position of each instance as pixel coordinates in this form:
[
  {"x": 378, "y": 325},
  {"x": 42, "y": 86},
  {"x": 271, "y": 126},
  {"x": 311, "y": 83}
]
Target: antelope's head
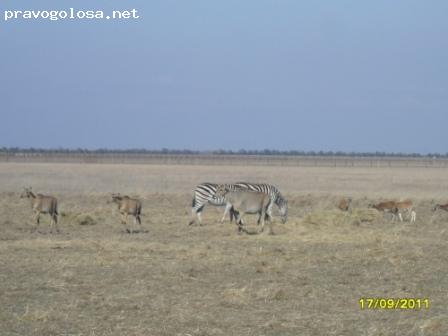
[
  {"x": 26, "y": 193},
  {"x": 116, "y": 198}
]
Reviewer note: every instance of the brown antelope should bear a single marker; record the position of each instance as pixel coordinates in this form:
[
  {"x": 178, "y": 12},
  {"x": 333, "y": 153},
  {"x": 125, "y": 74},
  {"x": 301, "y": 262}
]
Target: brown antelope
[
  {"x": 344, "y": 204},
  {"x": 42, "y": 204},
  {"x": 406, "y": 206},
  {"x": 128, "y": 206},
  {"x": 396, "y": 209},
  {"x": 244, "y": 202},
  {"x": 441, "y": 206}
]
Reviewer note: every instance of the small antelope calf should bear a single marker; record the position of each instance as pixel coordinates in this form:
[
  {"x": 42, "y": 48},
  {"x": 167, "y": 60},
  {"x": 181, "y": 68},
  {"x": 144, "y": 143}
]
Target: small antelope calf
[
  {"x": 42, "y": 204},
  {"x": 344, "y": 204},
  {"x": 397, "y": 209},
  {"x": 244, "y": 202},
  {"x": 128, "y": 206}
]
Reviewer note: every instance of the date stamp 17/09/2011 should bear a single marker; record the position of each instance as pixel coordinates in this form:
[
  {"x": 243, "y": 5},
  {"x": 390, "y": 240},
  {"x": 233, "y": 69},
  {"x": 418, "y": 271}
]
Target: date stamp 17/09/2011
[{"x": 394, "y": 303}]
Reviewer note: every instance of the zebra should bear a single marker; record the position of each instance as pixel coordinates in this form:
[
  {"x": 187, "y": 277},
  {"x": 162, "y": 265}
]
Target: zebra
[
  {"x": 245, "y": 201},
  {"x": 276, "y": 197},
  {"x": 204, "y": 194}
]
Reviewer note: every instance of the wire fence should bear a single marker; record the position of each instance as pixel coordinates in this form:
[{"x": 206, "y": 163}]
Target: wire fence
[{"x": 213, "y": 159}]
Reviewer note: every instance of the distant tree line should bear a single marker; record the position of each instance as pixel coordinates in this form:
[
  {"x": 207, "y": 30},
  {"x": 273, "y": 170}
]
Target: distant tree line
[{"x": 218, "y": 152}]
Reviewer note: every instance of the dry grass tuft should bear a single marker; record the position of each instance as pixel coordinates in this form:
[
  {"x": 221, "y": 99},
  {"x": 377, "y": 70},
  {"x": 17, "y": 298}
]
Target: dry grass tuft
[
  {"x": 85, "y": 219},
  {"x": 236, "y": 296},
  {"x": 335, "y": 217},
  {"x": 79, "y": 218}
]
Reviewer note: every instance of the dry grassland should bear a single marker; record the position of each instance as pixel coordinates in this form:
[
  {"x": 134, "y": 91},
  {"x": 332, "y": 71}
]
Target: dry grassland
[{"x": 175, "y": 279}]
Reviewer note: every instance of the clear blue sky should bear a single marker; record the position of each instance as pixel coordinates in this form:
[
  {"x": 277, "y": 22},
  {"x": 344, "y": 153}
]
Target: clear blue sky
[{"x": 254, "y": 74}]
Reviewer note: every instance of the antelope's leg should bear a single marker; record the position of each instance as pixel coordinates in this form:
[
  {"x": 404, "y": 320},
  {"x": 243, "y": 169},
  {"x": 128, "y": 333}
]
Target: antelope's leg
[
  {"x": 56, "y": 222},
  {"x": 36, "y": 220},
  {"x": 126, "y": 223},
  {"x": 239, "y": 222}
]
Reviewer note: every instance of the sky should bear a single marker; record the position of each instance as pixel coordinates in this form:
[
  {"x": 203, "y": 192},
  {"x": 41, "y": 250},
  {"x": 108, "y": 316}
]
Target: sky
[{"x": 256, "y": 74}]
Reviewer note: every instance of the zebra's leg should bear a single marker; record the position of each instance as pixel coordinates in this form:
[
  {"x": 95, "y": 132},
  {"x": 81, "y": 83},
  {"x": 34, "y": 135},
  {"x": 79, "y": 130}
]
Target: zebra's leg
[
  {"x": 194, "y": 210},
  {"x": 268, "y": 211},
  {"x": 259, "y": 218},
  {"x": 240, "y": 223},
  {"x": 196, "y": 213},
  {"x": 400, "y": 217},
  {"x": 269, "y": 219},
  {"x": 265, "y": 215},
  {"x": 226, "y": 210},
  {"x": 262, "y": 223},
  {"x": 200, "y": 218},
  {"x": 193, "y": 215},
  {"x": 263, "y": 219}
]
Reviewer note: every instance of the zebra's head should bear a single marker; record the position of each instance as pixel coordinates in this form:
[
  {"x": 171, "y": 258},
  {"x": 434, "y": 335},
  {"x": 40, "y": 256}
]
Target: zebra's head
[{"x": 283, "y": 209}]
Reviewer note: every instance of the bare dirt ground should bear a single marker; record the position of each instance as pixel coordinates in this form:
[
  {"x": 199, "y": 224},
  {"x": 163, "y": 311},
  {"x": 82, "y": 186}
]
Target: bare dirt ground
[{"x": 175, "y": 279}]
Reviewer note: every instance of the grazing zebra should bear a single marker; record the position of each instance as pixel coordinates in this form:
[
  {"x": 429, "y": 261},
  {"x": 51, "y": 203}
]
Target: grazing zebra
[
  {"x": 245, "y": 201},
  {"x": 204, "y": 194},
  {"x": 274, "y": 194}
]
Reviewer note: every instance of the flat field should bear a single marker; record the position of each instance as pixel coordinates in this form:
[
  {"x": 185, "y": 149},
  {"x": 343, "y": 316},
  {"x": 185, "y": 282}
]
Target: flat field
[{"x": 175, "y": 279}]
